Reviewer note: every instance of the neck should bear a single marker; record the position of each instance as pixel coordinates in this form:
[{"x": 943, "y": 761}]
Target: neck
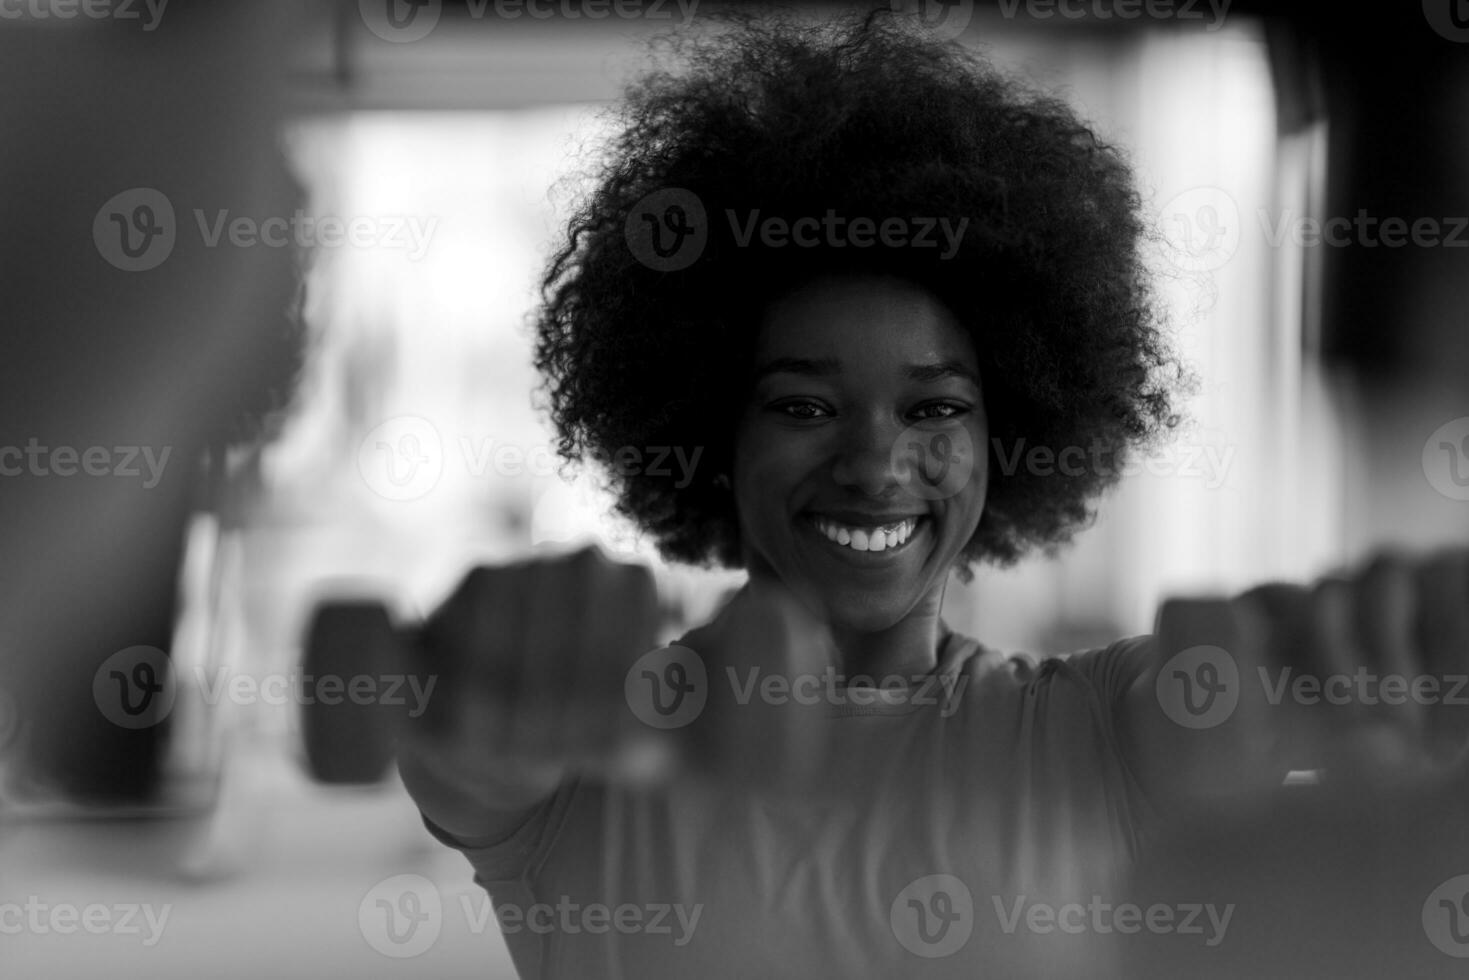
[{"x": 908, "y": 649}]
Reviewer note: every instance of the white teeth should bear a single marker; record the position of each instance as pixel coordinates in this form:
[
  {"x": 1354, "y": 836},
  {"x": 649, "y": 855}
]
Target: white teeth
[{"x": 870, "y": 538}]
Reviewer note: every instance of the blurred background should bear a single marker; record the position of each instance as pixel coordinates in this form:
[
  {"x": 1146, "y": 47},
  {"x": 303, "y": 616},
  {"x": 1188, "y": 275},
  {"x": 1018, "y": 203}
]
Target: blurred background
[{"x": 297, "y": 246}]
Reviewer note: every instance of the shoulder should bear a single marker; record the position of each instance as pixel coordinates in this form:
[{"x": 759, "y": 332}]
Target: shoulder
[
  {"x": 699, "y": 637},
  {"x": 1108, "y": 671},
  {"x": 1115, "y": 667}
]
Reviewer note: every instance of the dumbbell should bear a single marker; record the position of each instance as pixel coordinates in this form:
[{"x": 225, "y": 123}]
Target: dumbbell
[
  {"x": 349, "y": 739},
  {"x": 554, "y": 662}
]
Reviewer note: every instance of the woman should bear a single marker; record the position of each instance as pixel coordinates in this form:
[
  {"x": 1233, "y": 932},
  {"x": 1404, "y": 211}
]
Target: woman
[{"x": 852, "y": 268}]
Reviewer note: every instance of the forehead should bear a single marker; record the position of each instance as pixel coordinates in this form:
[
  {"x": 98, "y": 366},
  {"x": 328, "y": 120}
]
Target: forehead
[{"x": 869, "y": 317}]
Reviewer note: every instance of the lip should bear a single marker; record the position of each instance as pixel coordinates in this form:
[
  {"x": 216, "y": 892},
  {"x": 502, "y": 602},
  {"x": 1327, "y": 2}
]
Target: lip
[
  {"x": 866, "y": 559},
  {"x": 859, "y": 518}
]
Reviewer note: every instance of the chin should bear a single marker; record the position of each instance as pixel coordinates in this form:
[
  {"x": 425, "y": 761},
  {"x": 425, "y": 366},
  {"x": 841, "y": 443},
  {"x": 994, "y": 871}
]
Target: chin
[{"x": 860, "y": 611}]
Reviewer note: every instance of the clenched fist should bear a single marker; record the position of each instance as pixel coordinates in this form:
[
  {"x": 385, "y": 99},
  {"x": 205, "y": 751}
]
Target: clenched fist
[
  {"x": 530, "y": 660},
  {"x": 1365, "y": 676},
  {"x": 548, "y": 668}
]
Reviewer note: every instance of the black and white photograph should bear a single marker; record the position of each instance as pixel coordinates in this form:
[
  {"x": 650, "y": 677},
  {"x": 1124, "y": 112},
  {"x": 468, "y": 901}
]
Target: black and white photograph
[{"x": 691, "y": 489}]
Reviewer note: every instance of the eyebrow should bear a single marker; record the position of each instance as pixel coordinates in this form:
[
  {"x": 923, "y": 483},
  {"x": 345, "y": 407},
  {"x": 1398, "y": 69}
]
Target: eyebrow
[
  {"x": 822, "y": 367},
  {"x": 940, "y": 370},
  {"x": 806, "y": 367}
]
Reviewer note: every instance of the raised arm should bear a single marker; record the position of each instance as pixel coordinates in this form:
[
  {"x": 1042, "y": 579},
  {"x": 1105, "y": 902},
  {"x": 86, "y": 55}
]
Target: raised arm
[{"x": 1357, "y": 675}]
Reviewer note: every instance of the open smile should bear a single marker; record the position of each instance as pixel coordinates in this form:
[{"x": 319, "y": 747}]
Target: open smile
[{"x": 868, "y": 544}]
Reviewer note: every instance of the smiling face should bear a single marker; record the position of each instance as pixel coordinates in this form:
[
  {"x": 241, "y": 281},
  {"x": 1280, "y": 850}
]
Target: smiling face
[{"x": 860, "y": 470}]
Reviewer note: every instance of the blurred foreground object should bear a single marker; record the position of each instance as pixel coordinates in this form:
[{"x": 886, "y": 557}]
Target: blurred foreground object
[
  {"x": 139, "y": 347},
  {"x": 1356, "y": 880}
]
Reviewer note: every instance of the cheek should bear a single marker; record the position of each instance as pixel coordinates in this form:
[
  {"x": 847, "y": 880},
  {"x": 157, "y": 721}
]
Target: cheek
[
  {"x": 979, "y": 480},
  {"x": 766, "y": 465},
  {"x": 967, "y": 505},
  {"x": 763, "y": 475},
  {"x": 949, "y": 467}
]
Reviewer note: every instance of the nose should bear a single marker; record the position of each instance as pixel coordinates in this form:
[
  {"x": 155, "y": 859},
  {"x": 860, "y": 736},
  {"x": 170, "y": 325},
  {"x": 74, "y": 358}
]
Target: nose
[{"x": 867, "y": 456}]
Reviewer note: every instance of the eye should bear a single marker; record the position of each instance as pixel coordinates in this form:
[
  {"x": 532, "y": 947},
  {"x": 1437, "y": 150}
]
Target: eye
[
  {"x": 799, "y": 409},
  {"x": 803, "y": 410},
  {"x": 940, "y": 410}
]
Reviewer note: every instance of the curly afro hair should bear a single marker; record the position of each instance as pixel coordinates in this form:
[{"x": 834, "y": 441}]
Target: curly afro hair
[{"x": 862, "y": 116}]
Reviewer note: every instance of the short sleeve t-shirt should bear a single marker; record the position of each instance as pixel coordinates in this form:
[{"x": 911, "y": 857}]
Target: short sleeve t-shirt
[{"x": 967, "y": 822}]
